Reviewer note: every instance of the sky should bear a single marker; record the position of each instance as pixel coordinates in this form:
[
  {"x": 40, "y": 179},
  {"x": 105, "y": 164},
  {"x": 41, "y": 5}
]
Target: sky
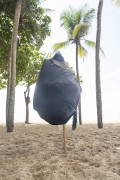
[{"x": 110, "y": 64}]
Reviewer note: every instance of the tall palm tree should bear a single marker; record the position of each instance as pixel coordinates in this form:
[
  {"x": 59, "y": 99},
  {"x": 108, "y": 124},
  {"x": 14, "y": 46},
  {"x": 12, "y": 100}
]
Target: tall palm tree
[
  {"x": 97, "y": 68},
  {"x": 12, "y": 72},
  {"x": 77, "y": 24},
  {"x": 97, "y": 64}
]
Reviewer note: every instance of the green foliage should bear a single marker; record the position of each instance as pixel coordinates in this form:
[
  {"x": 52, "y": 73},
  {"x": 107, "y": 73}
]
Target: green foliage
[
  {"x": 82, "y": 52},
  {"x": 116, "y": 2},
  {"x": 33, "y": 67},
  {"x": 77, "y": 24},
  {"x": 33, "y": 29},
  {"x": 77, "y": 21},
  {"x": 5, "y": 38},
  {"x": 92, "y": 44},
  {"x": 60, "y": 45},
  {"x": 80, "y": 29}
]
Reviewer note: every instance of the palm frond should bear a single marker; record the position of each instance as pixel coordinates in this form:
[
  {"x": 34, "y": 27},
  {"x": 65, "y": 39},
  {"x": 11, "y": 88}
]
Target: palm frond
[
  {"x": 88, "y": 16},
  {"x": 82, "y": 52},
  {"x": 67, "y": 21},
  {"x": 78, "y": 15},
  {"x": 60, "y": 45},
  {"x": 92, "y": 45},
  {"x": 116, "y": 2},
  {"x": 81, "y": 29}
]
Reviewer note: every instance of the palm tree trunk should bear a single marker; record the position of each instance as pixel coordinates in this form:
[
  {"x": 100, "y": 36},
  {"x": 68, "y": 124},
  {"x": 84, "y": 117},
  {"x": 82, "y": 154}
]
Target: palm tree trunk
[
  {"x": 77, "y": 72},
  {"x": 11, "y": 103},
  {"x": 97, "y": 60}
]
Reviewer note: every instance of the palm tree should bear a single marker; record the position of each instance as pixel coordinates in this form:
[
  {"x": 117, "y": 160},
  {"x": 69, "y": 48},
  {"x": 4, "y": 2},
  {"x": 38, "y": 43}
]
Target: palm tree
[
  {"x": 97, "y": 64},
  {"x": 12, "y": 72},
  {"x": 77, "y": 24}
]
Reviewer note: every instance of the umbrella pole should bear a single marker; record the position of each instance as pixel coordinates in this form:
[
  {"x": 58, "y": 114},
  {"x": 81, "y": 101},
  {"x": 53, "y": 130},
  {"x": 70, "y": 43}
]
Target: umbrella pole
[{"x": 64, "y": 138}]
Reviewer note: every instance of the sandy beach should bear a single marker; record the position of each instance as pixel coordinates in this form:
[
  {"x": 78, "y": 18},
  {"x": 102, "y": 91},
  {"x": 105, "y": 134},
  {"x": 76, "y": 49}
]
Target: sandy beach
[{"x": 35, "y": 152}]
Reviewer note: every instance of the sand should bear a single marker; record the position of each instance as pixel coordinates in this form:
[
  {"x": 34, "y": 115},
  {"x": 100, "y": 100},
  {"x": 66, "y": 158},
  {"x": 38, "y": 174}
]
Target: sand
[{"x": 35, "y": 152}]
